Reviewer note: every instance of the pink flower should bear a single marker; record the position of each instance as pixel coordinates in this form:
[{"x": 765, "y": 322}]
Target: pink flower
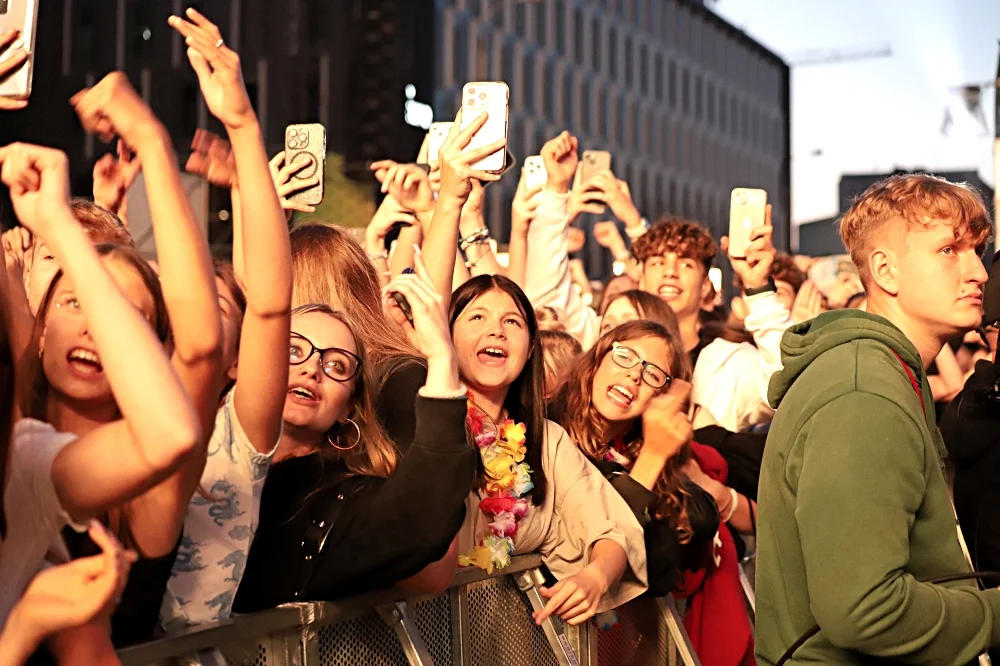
[
  {"x": 497, "y": 505},
  {"x": 505, "y": 524},
  {"x": 485, "y": 439}
]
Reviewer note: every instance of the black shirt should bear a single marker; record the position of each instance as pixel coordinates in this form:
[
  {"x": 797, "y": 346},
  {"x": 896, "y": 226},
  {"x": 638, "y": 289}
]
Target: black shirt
[
  {"x": 394, "y": 404},
  {"x": 387, "y": 529}
]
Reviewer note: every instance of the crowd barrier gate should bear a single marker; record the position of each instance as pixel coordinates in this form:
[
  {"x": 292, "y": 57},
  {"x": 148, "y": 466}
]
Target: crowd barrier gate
[{"x": 480, "y": 621}]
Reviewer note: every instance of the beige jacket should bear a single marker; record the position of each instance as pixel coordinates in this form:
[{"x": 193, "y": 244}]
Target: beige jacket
[{"x": 580, "y": 508}]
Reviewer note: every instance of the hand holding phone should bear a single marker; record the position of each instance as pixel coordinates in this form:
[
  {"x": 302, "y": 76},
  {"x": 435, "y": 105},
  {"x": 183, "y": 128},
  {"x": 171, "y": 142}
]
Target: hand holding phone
[
  {"x": 746, "y": 214},
  {"x": 535, "y": 175},
  {"x": 413, "y": 303},
  {"x": 18, "y": 21},
  {"x": 436, "y": 136},
  {"x": 305, "y": 148},
  {"x": 491, "y": 98}
]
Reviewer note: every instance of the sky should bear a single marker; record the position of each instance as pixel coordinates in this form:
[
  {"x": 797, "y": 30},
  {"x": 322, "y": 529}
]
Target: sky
[{"x": 879, "y": 114}]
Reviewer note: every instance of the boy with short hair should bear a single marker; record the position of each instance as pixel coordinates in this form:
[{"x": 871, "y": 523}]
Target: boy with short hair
[{"x": 854, "y": 509}]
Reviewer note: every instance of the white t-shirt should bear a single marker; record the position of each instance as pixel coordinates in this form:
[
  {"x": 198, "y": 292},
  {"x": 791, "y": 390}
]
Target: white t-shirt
[
  {"x": 35, "y": 516},
  {"x": 217, "y": 531}
]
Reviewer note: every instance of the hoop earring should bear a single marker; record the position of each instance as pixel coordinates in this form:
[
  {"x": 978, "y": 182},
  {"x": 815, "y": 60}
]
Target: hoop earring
[{"x": 339, "y": 426}]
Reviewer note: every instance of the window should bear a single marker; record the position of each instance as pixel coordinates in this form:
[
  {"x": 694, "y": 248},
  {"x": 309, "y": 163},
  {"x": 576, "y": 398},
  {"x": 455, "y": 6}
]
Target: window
[
  {"x": 613, "y": 60},
  {"x": 549, "y": 87},
  {"x": 462, "y": 70},
  {"x": 482, "y": 67},
  {"x": 630, "y": 64},
  {"x": 699, "y": 105},
  {"x": 520, "y": 19},
  {"x": 509, "y": 62},
  {"x": 559, "y": 12},
  {"x": 710, "y": 99},
  {"x": 540, "y": 15},
  {"x": 658, "y": 76},
  {"x": 527, "y": 66},
  {"x": 723, "y": 110},
  {"x": 595, "y": 45},
  {"x": 579, "y": 35},
  {"x": 644, "y": 66},
  {"x": 686, "y": 92},
  {"x": 589, "y": 106},
  {"x": 672, "y": 84}
]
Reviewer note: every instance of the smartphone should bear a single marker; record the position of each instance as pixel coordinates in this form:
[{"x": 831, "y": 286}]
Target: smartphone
[
  {"x": 303, "y": 142},
  {"x": 493, "y": 98},
  {"x": 19, "y": 15},
  {"x": 435, "y": 139},
  {"x": 534, "y": 171},
  {"x": 746, "y": 213},
  {"x": 592, "y": 163},
  {"x": 828, "y": 272},
  {"x": 404, "y": 305}
]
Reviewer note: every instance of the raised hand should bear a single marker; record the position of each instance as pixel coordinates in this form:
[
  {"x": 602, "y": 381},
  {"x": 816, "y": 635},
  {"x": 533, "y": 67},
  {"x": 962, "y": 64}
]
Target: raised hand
[
  {"x": 755, "y": 270},
  {"x": 618, "y": 198},
  {"x": 38, "y": 179},
  {"x": 212, "y": 159},
  {"x": 573, "y": 599},
  {"x": 11, "y": 63},
  {"x": 429, "y": 332},
  {"x": 408, "y": 184},
  {"x": 607, "y": 236},
  {"x": 808, "y": 303},
  {"x": 665, "y": 424},
  {"x": 282, "y": 177},
  {"x": 524, "y": 208},
  {"x": 389, "y": 213},
  {"x": 585, "y": 198},
  {"x": 112, "y": 107},
  {"x": 561, "y": 157},
  {"x": 16, "y": 244},
  {"x": 457, "y": 173},
  {"x": 112, "y": 178},
  {"x": 218, "y": 69}
]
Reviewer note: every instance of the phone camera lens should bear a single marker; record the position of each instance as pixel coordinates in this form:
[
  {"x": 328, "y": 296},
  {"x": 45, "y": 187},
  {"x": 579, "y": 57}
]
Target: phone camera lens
[
  {"x": 293, "y": 144},
  {"x": 482, "y": 95},
  {"x": 472, "y": 102},
  {"x": 472, "y": 91}
]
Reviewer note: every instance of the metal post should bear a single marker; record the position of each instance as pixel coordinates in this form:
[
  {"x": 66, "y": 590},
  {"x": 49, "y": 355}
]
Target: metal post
[
  {"x": 460, "y": 655},
  {"x": 399, "y": 616},
  {"x": 528, "y": 582},
  {"x": 681, "y": 640}
]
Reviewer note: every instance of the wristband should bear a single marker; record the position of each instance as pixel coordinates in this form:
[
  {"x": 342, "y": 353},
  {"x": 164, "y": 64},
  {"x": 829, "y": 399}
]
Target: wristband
[
  {"x": 767, "y": 288},
  {"x": 638, "y": 230},
  {"x": 480, "y": 236}
]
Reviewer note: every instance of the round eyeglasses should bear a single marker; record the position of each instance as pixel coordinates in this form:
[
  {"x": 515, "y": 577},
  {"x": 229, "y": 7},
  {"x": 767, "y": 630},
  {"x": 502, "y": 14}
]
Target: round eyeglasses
[
  {"x": 626, "y": 357},
  {"x": 338, "y": 364}
]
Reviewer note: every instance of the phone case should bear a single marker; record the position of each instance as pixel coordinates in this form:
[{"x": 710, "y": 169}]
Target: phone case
[
  {"x": 746, "y": 213},
  {"x": 302, "y": 141},
  {"x": 535, "y": 174},
  {"x": 437, "y": 134},
  {"x": 20, "y": 15},
  {"x": 594, "y": 162},
  {"x": 491, "y": 97}
]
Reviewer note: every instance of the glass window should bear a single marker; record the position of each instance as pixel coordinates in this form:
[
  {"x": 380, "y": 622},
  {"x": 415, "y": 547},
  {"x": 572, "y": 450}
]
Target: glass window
[
  {"x": 482, "y": 69},
  {"x": 509, "y": 62},
  {"x": 710, "y": 103},
  {"x": 595, "y": 45},
  {"x": 699, "y": 105},
  {"x": 520, "y": 19},
  {"x": 630, "y": 64},
  {"x": 540, "y": 16},
  {"x": 559, "y": 12},
  {"x": 461, "y": 59},
  {"x": 644, "y": 66},
  {"x": 589, "y": 107},
  {"x": 613, "y": 61},
  {"x": 526, "y": 60},
  {"x": 579, "y": 35},
  {"x": 658, "y": 76},
  {"x": 549, "y": 87},
  {"x": 723, "y": 110},
  {"x": 686, "y": 92},
  {"x": 672, "y": 83}
]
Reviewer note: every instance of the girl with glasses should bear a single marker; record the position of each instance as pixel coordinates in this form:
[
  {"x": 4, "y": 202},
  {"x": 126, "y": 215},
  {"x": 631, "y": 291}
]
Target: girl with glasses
[
  {"x": 342, "y": 512},
  {"x": 609, "y": 408}
]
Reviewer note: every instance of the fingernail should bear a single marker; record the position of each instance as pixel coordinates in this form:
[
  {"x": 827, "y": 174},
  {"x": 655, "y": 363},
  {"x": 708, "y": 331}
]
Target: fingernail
[{"x": 416, "y": 248}]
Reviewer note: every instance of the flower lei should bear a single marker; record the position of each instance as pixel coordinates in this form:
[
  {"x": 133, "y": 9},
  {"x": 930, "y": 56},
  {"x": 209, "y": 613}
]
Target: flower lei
[{"x": 508, "y": 481}]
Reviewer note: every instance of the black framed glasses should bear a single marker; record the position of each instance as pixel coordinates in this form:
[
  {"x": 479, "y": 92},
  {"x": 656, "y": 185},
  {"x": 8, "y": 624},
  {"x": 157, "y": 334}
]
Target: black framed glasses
[
  {"x": 626, "y": 357},
  {"x": 338, "y": 364}
]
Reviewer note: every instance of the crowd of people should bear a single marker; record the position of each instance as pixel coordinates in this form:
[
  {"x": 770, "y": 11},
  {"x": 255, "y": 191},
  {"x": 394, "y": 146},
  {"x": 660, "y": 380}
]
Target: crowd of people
[{"x": 192, "y": 438}]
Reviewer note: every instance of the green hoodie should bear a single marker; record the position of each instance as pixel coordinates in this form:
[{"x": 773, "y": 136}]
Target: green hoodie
[{"x": 854, "y": 509}]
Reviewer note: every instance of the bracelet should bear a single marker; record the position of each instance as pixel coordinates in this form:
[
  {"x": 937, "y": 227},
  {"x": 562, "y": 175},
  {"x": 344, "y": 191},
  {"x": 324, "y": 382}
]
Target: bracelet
[
  {"x": 639, "y": 230},
  {"x": 384, "y": 254},
  {"x": 766, "y": 289},
  {"x": 480, "y": 236},
  {"x": 733, "y": 506}
]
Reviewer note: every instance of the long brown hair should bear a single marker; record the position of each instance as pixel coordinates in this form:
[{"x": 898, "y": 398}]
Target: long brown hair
[
  {"x": 375, "y": 454},
  {"x": 331, "y": 267},
  {"x": 525, "y": 400},
  {"x": 574, "y": 410},
  {"x": 35, "y": 389}
]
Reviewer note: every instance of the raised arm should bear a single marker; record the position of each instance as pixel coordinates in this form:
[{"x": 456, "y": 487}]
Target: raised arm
[
  {"x": 159, "y": 427},
  {"x": 263, "y": 376},
  {"x": 188, "y": 281},
  {"x": 522, "y": 213}
]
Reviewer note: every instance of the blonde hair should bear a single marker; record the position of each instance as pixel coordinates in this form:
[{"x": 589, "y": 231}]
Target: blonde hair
[
  {"x": 331, "y": 267},
  {"x": 913, "y": 199},
  {"x": 559, "y": 349},
  {"x": 548, "y": 319}
]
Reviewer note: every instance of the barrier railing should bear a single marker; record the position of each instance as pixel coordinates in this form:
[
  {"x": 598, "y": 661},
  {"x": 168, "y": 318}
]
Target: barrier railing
[{"x": 481, "y": 620}]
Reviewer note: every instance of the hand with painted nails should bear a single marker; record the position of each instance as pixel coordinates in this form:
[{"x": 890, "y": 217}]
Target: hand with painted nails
[{"x": 282, "y": 174}]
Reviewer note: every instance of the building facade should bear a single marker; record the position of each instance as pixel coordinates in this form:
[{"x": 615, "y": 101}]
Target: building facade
[{"x": 689, "y": 106}]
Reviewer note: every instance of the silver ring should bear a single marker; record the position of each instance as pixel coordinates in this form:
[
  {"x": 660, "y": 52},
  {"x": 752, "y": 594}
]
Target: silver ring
[{"x": 219, "y": 44}]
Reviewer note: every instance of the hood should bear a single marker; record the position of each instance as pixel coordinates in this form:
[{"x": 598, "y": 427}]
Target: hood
[{"x": 804, "y": 343}]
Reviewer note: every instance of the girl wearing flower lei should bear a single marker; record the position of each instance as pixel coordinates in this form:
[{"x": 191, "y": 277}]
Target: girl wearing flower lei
[{"x": 537, "y": 492}]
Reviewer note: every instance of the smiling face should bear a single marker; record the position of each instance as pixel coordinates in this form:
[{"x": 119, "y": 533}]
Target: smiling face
[
  {"x": 491, "y": 341},
  {"x": 622, "y": 394},
  {"x": 315, "y": 401},
  {"x": 681, "y": 282},
  {"x": 70, "y": 359}
]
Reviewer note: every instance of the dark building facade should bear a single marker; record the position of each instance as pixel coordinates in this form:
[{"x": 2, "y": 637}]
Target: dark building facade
[{"x": 689, "y": 106}]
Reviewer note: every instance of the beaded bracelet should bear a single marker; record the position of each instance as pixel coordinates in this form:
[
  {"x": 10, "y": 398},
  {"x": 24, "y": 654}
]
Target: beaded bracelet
[{"x": 480, "y": 236}]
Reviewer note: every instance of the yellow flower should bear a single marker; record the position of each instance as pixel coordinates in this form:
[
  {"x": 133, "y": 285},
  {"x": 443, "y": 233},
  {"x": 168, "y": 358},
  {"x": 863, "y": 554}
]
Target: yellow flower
[
  {"x": 479, "y": 557},
  {"x": 514, "y": 432}
]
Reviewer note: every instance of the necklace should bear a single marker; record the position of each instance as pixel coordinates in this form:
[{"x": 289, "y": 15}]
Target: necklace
[{"x": 508, "y": 481}]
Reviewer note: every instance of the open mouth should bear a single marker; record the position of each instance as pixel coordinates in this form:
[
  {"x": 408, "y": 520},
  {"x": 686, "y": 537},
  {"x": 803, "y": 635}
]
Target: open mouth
[
  {"x": 621, "y": 396},
  {"x": 302, "y": 395},
  {"x": 84, "y": 362},
  {"x": 669, "y": 291},
  {"x": 492, "y": 356}
]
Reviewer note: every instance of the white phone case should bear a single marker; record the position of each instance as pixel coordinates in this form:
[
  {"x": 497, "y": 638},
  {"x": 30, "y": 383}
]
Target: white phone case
[
  {"x": 535, "y": 174},
  {"x": 19, "y": 15},
  {"x": 436, "y": 137},
  {"x": 746, "y": 213},
  {"x": 491, "y": 97}
]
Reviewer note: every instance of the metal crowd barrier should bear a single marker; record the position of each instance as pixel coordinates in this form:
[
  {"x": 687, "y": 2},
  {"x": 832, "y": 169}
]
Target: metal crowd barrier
[{"x": 480, "y": 621}]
